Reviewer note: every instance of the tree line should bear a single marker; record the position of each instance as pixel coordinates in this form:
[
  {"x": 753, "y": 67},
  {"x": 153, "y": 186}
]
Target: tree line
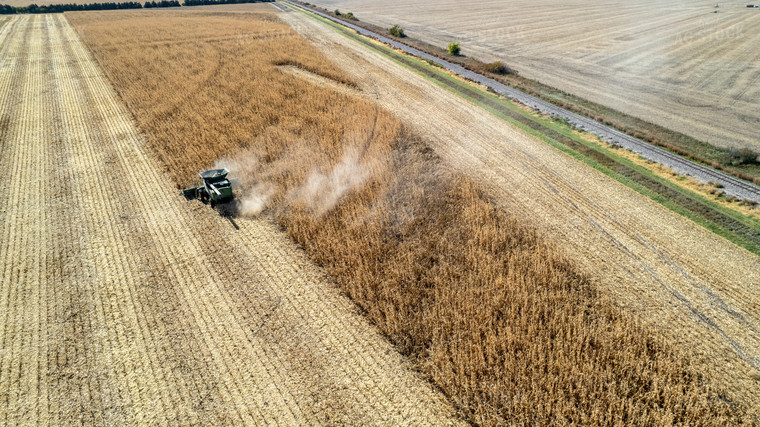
[
  {"x": 162, "y": 3},
  {"x": 207, "y": 2},
  {"x": 71, "y": 7}
]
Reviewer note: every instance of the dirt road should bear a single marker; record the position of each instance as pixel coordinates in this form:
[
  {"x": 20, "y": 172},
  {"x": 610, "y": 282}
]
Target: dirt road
[
  {"x": 121, "y": 303},
  {"x": 700, "y": 290}
]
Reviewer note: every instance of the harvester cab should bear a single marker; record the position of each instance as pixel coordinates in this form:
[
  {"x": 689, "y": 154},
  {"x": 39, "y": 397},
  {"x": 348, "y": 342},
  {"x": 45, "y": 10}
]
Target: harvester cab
[{"x": 216, "y": 188}]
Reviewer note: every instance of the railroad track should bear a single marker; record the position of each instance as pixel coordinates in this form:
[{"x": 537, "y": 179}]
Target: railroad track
[{"x": 731, "y": 185}]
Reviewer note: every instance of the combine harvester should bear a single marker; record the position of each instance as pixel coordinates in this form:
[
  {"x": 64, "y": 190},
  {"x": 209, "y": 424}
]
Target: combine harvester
[{"x": 216, "y": 188}]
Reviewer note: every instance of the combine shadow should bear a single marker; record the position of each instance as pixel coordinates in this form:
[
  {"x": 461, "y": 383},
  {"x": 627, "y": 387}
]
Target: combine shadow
[{"x": 230, "y": 211}]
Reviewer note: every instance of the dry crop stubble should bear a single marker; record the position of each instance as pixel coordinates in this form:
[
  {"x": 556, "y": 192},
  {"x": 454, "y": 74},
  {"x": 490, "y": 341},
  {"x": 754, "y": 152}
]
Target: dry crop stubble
[{"x": 489, "y": 311}]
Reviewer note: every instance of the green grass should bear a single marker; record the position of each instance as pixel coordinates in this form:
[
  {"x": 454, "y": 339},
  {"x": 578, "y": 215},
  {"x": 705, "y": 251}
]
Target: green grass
[
  {"x": 730, "y": 224},
  {"x": 676, "y": 142}
]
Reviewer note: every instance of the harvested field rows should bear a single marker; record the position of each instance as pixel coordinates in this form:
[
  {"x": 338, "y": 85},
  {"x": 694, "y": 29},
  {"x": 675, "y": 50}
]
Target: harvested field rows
[
  {"x": 698, "y": 289},
  {"x": 677, "y": 65},
  {"x": 122, "y": 304}
]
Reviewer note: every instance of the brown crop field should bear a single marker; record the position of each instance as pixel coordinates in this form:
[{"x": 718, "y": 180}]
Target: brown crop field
[
  {"x": 492, "y": 314},
  {"x": 675, "y": 64},
  {"x": 123, "y": 304},
  {"x": 694, "y": 287}
]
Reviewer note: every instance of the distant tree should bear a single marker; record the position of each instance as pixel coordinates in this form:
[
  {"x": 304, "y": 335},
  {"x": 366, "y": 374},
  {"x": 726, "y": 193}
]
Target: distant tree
[
  {"x": 499, "y": 68},
  {"x": 350, "y": 15},
  {"x": 396, "y": 31},
  {"x": 59, "y": 8},
  {"x": 337, "y": 12},
  {"x": 454, "y": 49}
]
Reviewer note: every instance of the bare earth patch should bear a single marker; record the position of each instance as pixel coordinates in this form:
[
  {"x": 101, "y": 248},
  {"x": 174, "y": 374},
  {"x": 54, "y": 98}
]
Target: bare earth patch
[{"x": 319, "y": 80}]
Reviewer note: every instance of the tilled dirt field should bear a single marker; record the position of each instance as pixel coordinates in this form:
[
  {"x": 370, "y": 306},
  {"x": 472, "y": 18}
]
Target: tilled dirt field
[
  {"x": 121, "y": 303},
  {"x": 675, "y": 64},
  {"x": 697, "y": 288}
]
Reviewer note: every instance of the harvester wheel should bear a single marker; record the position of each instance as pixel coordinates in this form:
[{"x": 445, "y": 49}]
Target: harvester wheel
[
  {"x": 213, "y": 203},
  {"x": 203, "y": 195}
]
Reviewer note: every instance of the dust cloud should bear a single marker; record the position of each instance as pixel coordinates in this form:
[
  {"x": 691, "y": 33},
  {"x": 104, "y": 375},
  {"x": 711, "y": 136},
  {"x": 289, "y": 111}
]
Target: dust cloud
[
  {"x": 321, "y": 192},
  {"x": 258, "y": 189}
]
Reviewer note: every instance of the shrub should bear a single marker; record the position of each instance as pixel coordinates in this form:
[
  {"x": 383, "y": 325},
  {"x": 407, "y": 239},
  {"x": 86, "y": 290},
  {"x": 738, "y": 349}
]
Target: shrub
[
  {"x": 350, "y": 15},
  {"x": 337, "y": 12},
  {"x": 396, "y": 31},
  {"x": 744, "y": 156},
  {"x": 499, "y": 68},
  {"x": 454, "y": 49}
]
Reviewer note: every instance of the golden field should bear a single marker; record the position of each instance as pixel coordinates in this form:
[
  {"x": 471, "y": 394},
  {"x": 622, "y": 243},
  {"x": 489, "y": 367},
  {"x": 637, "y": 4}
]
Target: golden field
[{"x": 486, "y": 309}]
